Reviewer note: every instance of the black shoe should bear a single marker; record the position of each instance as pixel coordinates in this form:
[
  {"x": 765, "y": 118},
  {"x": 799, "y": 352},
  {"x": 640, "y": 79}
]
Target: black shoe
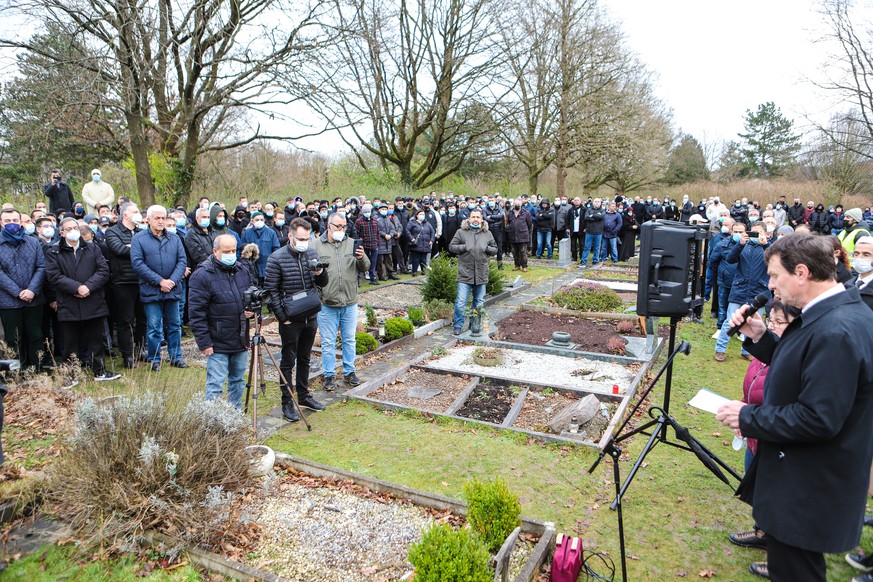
[
  {"x": 290, "y": 413},
  {"x": 352, "y": 379},
  {"x": 456, "y": 331},
  {"x": 868, "y": 520},
  {"x": 129, "y": 364},
  {"x": 329, "y": 383},
  {"x": 375, "y": 282},
  {"x": 106, "y": 375},
  {"x": 499, "y": 266},
  {"x": 394, "y": 277},
  {"x": 156, "y": 366},
  {"x": 179, "y": 364},
  {"x": 760, "y": 569},
  {"x": 309, "y": 402},
  {"x": 750, "y": 539}
]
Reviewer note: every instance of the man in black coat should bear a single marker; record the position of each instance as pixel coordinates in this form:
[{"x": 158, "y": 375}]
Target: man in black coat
[
  {"x": 129, "y": 313},
  {"x": 59, "y": 194},
  {"x": 815, "y": 426},
  {"x": 219, "y": 321},
  {"x": 78, "y": 272},
  {"x": 574, "y": 226}
]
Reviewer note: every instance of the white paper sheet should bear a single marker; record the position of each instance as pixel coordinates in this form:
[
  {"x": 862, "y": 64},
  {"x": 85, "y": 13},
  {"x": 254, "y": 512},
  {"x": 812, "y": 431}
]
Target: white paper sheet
[{"x": 708, "y": 400}]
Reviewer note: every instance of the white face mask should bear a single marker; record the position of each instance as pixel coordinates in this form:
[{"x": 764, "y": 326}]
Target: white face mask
[
  {"x": 725, "y": 229},
  {"x": 48, "y": 231},
  {"x": 862, "y": 265},
  {"x": 258, "y": 224},
  {"x": 136, "y": 218},
  {"x": 73, "y": 236},
  {"x": 301, "y": 246},
  {"x": 338, "y": 235}
]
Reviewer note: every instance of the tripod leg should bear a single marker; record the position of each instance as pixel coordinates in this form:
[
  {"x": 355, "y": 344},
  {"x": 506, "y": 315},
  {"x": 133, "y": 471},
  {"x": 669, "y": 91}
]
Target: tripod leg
[
  {"x": 653, "y": 440},
  {"x": 616, "y": 477},
  {"x": 249, "y": 380},
  {"x": 284, "y": 385}
]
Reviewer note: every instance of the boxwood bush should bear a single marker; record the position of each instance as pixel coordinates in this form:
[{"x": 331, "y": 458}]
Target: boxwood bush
[
  {"x": 397, "y": 327},
  {"x": 585, "y": 296},
  {"x": 448, "y": 555},
  {"x": 364, "y": 342},
  {"x": 492, "y": 510}
]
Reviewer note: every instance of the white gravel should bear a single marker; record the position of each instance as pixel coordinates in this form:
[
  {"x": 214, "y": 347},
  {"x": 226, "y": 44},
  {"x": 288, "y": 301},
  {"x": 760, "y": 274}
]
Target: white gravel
[{"x": 520, "y": 366}]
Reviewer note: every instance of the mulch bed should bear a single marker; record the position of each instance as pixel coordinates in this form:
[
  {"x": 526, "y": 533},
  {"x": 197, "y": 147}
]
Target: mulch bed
[
  {"x": 490, "y": 403},
  {"x": 539, "y": 408},
  {"x": 398, "y": 391},
  {"x": 535, "y": 328}
]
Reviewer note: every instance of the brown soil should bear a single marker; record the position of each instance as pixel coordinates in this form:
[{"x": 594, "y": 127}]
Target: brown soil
[
  {"x": 486, "y": 402},
  {"x": 535, "y": 328},
  {"x": 398, "y": 391},
  {"x": 539, "y": 409}
]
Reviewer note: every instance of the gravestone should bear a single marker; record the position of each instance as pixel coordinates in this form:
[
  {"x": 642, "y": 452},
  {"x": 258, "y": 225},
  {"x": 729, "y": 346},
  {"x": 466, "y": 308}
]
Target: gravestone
[
  {"x": 583, "y": 409},
  {"x": 564, "y": 258}
]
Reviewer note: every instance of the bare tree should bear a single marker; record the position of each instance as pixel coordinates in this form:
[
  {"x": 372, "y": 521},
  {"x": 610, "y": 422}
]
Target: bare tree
[
  {"x": 840, "y": 156},
  {"x": 184, "y": 75},
  {"x": 401, "y": 83}
]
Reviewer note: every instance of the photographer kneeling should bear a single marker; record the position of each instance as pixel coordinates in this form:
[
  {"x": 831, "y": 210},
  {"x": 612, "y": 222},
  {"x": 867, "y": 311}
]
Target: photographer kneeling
[
  {"x": 219, "y": 321},
  {"x": 292, "y": 275}
]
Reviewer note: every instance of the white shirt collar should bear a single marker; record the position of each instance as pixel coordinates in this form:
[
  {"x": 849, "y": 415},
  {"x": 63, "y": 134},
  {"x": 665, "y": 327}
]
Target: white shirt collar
[{"x": 835, "y": 290}]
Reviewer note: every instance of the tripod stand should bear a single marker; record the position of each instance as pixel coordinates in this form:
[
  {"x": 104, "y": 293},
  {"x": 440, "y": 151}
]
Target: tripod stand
[
  {"x": 257, "y": 377},
  {"x": 658, "y": 427}
]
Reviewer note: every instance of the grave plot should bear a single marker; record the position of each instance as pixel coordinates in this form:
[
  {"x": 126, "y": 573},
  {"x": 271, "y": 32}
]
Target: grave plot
[
  {"x": 395, "y": 296},
  {"x": 424, "y": 390}
]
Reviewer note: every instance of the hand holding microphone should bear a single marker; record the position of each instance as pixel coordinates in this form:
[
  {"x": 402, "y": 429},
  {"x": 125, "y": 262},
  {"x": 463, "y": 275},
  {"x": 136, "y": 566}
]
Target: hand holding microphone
[{"x": 741, "y": 316}]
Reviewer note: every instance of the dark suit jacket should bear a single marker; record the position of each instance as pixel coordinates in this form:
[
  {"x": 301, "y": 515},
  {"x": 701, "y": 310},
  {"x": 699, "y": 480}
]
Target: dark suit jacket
[{"x": 815, "y": 427}]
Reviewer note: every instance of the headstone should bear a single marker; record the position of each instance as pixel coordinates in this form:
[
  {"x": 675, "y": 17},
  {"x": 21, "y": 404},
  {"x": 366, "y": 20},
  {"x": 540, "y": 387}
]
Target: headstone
[
  {"x": 583, "y": 409},
  {"x": 564, "y": 258},
  {"x": 517, "y": 283},
  {"x": 423, "y": 393}
]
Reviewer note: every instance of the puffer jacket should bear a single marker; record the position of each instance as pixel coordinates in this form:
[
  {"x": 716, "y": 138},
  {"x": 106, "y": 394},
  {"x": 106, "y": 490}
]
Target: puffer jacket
[
  {"x": 215, "y": 306},
  {"x": 386, "y": 226},
  {"x": 495, "y": 218},
  {"x": 818, "y": 221},
  {"x": 594, "y": 220},
  {"x": 421, "y": 236},
  {"x": 518, "y": 227},
  {"x": 473, "y": 247},
  {"x": 156, "y": 258},
  {"x": 22, "y": 266},
  {"x": 67, "y": 272},
  {"x": 611, "y": 224},
  {"x": 288, "y": 273},
  {"x": 343, "y": 268},
  {"x": 118, "y": 239},
  {"x": 751, "y": 278},
  {"x": 199, "y": 245},
  {"x": 545, "y": 216}
]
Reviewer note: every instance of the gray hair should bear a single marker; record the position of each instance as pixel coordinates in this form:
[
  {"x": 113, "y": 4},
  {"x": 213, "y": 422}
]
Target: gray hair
[
  {"x": 217, "y": 242},
  {"x": 155, "y": 208},
  {"x": 125, "y": 207},
  {"x": 202, "y": 211},
  {"x": 68, "y": 219}
]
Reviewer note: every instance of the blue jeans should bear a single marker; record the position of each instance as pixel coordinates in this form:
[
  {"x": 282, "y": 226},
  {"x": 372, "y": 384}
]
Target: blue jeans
[
  {"x": 723, "y": 293},
  {"x": 158, "y": 314},
  {"x": 544, "y": 239},
  {"x": 373, "y": 255},
  {"x": 722, "y": 342},
  {"x": 609, "y": 248},
  {"x": 230, "y": 367},
  {"x": 592, "y": 242},
  {"x": 329, "y": 319},
  {"x": 464, "y": 290}
]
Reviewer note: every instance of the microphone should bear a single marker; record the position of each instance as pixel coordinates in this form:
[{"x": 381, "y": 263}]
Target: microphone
[{"x": 759, "y": 302}]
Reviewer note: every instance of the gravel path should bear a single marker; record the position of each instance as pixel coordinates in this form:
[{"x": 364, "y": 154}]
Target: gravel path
[
  {"x": 398, "y": 296},
  {"x": 450, "y": 388}
]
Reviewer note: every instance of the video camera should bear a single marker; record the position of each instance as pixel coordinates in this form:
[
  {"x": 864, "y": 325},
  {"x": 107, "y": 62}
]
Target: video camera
[
  {"x": 254, "y": 298},
  {"x": 315, "y": 265}
]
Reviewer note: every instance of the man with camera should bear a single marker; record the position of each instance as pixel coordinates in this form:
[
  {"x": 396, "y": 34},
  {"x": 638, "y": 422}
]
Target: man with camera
[
  {"x": 293, "y": 276},
  {"x": 219, "y": 319},
  {"x": 59, "y": 194}
]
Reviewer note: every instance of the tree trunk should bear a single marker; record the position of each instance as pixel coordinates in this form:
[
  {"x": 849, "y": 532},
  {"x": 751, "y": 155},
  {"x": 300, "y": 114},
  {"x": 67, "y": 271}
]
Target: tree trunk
[
  {"x": 140, "y": 151},
  {"x": 532, "y": 185}
]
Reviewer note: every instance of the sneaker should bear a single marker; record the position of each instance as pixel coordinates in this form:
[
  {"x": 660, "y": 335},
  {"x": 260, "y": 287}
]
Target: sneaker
[
  {"x": 716, "y": 334},
  {"x": 583, "y": 265},
  {"x": 860, "y": 562},
  {"x": 719, "y": 356},
  {"x": 759, "y": 569},
  {"x": 329, "y": 383},
  {"x": 106, "y": 375},
  {"x": 456, "y": 331},
  {"x": 290, "y": 413},
  {"x": 352, "y": 379},
  {"x": 749, "y": 539},
  {"x": 309, "y": 402},
  {"x": 863, "y": 578}
]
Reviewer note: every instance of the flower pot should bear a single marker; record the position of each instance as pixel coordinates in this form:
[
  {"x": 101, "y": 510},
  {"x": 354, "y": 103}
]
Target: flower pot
[
  {"x": 261, "y": 460},
  {"x": 488, "y": 361},
  {"x": 475, "y": 325}
]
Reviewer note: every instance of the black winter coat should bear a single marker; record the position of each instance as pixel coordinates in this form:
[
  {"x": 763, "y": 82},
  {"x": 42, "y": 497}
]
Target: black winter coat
[
  {"x": 287, "y": 273},
  {"x": 819, "y": 221},
  {"x": 67, "y": 272},
  {"x": 815, "y": 426},
  {"x": 545, "y": 218},
  {"x": 60, "y": 197},
  {"x": 117, "y": 239},
  {"x": 571, "y": 216},
  {"x": 518, "y": 227},
  {"x": 594, "y": 220},
  {"x": 198, "y": 244},
  {"x": 215, "y": 306},
  {"x": 796, "y": 214},
  {"x": 495, "y": 217}
]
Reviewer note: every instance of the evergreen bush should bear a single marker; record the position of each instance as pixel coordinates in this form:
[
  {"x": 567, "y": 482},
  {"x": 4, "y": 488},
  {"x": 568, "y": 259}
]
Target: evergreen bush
[
  {"x": 370, "y": 314},
  {"x": 496, "y": 283},
  {"x": 492, "y": 510},
  {"x": 438, "y": 309},
  {"x": 442, "y": 280},
  {"x": 448, "y": 555},
  {"x": 364, "y": 342},
  {"x": 415, "y": 314},
  {"x": 397, "y": 327},
  {"x": 585, "y": 296}
]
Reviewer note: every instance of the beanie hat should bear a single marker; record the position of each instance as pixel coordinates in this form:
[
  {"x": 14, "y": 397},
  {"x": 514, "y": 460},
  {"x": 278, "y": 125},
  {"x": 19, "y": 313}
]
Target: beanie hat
[
  {"x": 257, "y": 213},
  {"x": 855, "y": 214},
  {"x": 785, "y": 229},
  {"x": 367, "y": 207}
]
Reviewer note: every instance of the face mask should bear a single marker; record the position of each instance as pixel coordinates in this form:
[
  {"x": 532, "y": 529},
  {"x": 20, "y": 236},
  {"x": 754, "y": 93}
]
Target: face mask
[
  {"x": 12, "y": 228},
  {"x": 229, "y": 259},
  {"x": 563, "y": 202},
  {"x": 753, "y": 219},
  {"x": 368, "y": 214},
  {"x": 656, "y": 203},
  {"x": 862, "y": 265},
  {"x": 338, "y": 235},
  {"x": 736, "y": 238},
  {"x": 80, "y": 211},
  {"x": 452, "y": 213},
  {"x": 442, "y": 212},
  {"x": 269, "y": 214},
  {"x": 220, "y": 221},
  {"x": 170, "y": 229},
  {"x": 96, "y": 178},
  {"x": 725, "y": 230},
  {"x": 475, "y": 226},
  {"x": 259, "y": 224},
  {"x": 73, "y": 236},
  {"x": 280, "y": 223},
  {"x": 383, "y": 212},
  {"x": 353, "y": 207},
  {"x": 390, "y": 212},
  {"x": 142, "y": 226},
  {"x": 136, "y": 218},
  {"x": 203, "y": 222},
  {"x": 517, "y": 206},
  {"x": 323, "y": 214},
  {"x": 770, "y": 228},
  {"x": 93, "y": 228},
  {"x": 180, "y": 222},
  {"x": 30, "y": 228},
  {"x": 420, "y": 218},
  {"x": 301, "y": 246},
  {"x": 754, "y": 241},
  {"x": 48, "y": 231}
]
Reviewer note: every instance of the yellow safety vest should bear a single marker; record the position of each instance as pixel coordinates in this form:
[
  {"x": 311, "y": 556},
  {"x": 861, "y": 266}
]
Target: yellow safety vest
[{"x": 848, "y": 242}]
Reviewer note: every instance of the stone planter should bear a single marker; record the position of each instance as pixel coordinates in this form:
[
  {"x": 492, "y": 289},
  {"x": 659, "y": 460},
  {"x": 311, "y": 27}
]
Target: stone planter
[{"x": 261, "y": 460}]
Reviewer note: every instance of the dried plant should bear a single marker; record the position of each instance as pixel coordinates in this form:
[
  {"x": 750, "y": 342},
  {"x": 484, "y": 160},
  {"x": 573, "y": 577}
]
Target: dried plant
[
  {"x": 616, "y": 345},
  {"x": 626, "y": 326}
]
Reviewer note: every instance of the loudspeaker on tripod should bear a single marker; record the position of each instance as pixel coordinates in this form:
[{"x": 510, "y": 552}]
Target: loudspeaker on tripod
[{"x": 670, "y": 257}]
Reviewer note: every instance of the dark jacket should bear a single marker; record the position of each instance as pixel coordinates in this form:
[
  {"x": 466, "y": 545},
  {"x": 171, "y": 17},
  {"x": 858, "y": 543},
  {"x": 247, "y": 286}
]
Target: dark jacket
[
  {"x": 215, "y": 306},
  {"x": 686, "y": 211},
  {"x": 451, "y": 224},
  {"x": 594, "y": 220},
  {"x": 22, "y": 266},
  {"x": 818, "y": 221},
  {"x": 518, "y": 228},
  {"x": 545, "y": 216},
  {"x": 740, "y": 213},
  {"x": 654, "y": 212},
  {"x": 866, "y": 292},
  {"x": 495, "y": 218},
  {"x": 198, "y": 242},
  {"x": 571, "y": 216},
  {"x": 815, "y": 427},
  {"x": 835, "y": 221},
  {"x": 751, "y": 278},
  {"x": 796, "y": 214},
  {"x": 611, "y": 224},
  {"x": 60, "y": 197},
  {"x": 156, "y": 258},
  {"x": 386, "y": 226},
  {"x": 718, "y": 270},
  {"x": 288, "y": 273},
  {"x": 473, "y": 247},
  {"x": 267, "y": 242},
  {"x": 67, "y": 271},
  {"x": 421, "y": 236},
  {"x": 118, "y": 239}
]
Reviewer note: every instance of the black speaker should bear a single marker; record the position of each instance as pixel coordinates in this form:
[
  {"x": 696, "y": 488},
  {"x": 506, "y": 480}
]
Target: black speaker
[{"x": 670, "y": 260}]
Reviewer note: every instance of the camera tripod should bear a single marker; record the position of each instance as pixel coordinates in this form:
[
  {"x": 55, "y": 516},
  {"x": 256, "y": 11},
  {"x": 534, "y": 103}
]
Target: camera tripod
[{"x": 257, "y": 378}]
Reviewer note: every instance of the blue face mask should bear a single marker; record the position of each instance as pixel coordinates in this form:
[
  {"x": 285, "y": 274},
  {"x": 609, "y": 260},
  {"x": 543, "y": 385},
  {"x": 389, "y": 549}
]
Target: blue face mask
[
  {"x": 229, "y": 260},
  {"x": 280, "y": 223},
  {"x": 180, "y": 223},
  {"x": 367, "y": 214},
  {"x": 204, "y": 223},
  {"x": 753, "y": 241},
  {"x": 475, "y": 226},
  {"x": 736, "y": 238},
  {"x": 220, "y": 221},
  {"x": 390, "y": 212},
  {"x": 93, "y": 228},
  {"x": 753, "y": 219}
]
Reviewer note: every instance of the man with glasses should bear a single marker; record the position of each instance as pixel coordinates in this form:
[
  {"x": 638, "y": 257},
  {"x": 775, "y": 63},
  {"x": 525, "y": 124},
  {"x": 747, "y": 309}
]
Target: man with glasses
[
  {"x": 159, "y": 261},
  {"x": 339, "y": 298}
]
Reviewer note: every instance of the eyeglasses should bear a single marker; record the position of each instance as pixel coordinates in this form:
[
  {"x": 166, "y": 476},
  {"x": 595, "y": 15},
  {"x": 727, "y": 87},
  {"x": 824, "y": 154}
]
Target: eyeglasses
[
  {"x": 70, "y": 229},
  {"x": 772, "y": 322},
  {"x": 337, "y": 226},
  {"x": 301, "y": 239}
]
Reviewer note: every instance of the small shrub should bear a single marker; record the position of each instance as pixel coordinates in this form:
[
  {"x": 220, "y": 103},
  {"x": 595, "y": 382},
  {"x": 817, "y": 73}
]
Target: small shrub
[
  {"x": 438, "y": 309},
  {"x": 397, "y": 327},
  {"x": 492, "y": 510},
  {"x": 448, "y": 555},
  {"x": 415, "y": 314},
  {"x": 364, "y": 342},
  {"x": 616, "y": 345},
  {"x": 496, "y": 283},
  {"x": 584, "y": 296},
  {"x": 626, "y": 326},
  {"x": 442, "y": 280},
  {"x": 370, "y": 314}
]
